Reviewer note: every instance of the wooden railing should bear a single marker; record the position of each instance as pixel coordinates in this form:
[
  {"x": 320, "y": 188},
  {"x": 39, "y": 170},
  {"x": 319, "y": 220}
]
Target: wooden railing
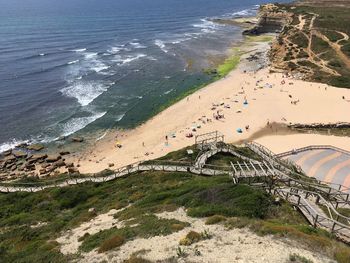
[
  {"x": 121, "y": 172},
  {"x": 297, "y": 191},
  {"x": 283, "y": 168},
  {"x": 316, "y": 218},
  {"x": 312, "y": 147},
  {"x": 318, "y": 147}
]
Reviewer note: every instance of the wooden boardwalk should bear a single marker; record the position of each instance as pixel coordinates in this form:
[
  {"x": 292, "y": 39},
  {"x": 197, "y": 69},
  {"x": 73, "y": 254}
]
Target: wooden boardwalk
[{"x": 275, "y": 175}]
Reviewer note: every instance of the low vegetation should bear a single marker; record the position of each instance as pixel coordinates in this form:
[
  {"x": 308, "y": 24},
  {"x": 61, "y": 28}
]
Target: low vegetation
[
  {"x": 299, "y": 259},
  {"x": 191, "y": 237},
  {"x": 113, "y": 242},
  {"x": 215, "y": 219},
  {"x": 316, "y": 43},
  {"x": 30, "y": 222},
  {"x": 57, "y": 210}
]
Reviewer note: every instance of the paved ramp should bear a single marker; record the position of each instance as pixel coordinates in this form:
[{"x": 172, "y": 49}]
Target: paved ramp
[{"x": 327, "y": 165}]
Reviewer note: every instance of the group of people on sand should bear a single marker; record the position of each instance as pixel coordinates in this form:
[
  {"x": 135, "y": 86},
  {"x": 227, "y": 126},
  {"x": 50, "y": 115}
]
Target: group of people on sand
[{"x": 218, "y": 115}]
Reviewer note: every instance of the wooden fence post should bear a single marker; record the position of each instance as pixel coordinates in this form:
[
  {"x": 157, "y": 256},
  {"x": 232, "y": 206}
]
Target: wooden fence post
[{"x": 315, "y": 221}]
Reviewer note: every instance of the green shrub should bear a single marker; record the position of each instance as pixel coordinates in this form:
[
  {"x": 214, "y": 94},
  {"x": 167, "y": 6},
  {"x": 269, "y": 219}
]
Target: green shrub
[
  {"x": 299, "y": 259},
  {"x": 237, "y": 222},
  {"x": 135, "y": 259},
  {"x": 83, "y": 237},
  {"x": 342, "y": 254},
  {"x": 113, "y": 242},
  {"x": 191, "y": 237},
  {"x": 215, "y": 219}
]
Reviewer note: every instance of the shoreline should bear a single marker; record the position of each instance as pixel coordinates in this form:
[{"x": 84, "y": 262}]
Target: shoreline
[
  {"x": 74, "y": 152},
  {"x": 265, "y": 94},
  {"x": 274, "y": 101}
]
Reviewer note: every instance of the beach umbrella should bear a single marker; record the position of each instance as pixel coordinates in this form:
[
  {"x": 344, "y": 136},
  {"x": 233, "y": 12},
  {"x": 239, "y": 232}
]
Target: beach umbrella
[{"x": 239, "y": 130}]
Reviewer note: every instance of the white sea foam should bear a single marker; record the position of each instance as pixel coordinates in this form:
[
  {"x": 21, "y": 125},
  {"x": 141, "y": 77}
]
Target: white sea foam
[
  {"x": 79, "y": 50},
  {"x": 246, "y": 12},
  {"x": 114, "y": 50},
  {"x": 161, "y": 45},
  {"x": 137, "y": 45},
  {"x": 120, "y": 117},
  {"x": 127, "y": 59},
  {"x": 168, "y": 91},
  {"x": 85, "y": 92},
  {"x": 206, "y": 26},
  {"x": 99, "y": 66},
  {"x": 101, "y": 137},
  {"x": 73, "y": 62},
  {"x": 75, "y": 124},
  {"x": 92, "y": 62},
  {"x": 11, "y": 144},
  {"x": 178, "y": 41},
  {"x": 42, "y": 54},
  {"x": 90, "y": 55}
]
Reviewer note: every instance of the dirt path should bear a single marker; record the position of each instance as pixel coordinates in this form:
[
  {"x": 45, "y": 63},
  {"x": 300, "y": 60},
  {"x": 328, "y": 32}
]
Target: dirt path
[
  {"x": 345, "y": 36},
  {"x": 335, "y": 46},
  {"x": 301, "y": 22}
]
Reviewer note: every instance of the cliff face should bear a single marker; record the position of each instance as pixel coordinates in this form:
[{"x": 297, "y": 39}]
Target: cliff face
[{"x": 270, "y": 20}]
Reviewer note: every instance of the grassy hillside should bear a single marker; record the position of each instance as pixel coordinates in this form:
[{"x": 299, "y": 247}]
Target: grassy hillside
[
  {"x": 316, "y": 43},
  {"x": 30, "y": 222}
]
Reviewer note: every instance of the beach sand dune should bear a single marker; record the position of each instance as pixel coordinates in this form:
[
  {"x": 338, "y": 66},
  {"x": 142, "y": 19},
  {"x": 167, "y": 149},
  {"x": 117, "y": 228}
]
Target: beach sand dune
[{"x": 225, "y": 245}]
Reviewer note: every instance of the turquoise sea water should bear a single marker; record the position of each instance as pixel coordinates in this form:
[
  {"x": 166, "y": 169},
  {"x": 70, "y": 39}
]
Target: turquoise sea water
[{"x": 72, "y": 66}]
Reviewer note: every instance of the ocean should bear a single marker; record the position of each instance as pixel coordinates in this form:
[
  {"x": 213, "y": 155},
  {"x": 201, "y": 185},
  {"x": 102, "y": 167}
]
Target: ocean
[{"x": 81, "y": 66}]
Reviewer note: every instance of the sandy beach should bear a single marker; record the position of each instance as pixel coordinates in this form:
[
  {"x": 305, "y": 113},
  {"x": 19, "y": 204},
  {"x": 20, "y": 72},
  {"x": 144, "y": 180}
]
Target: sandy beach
[{"x": 243, "y": 98}]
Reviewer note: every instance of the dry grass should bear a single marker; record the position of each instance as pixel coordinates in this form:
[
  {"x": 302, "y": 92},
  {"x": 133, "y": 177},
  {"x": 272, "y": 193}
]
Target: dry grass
[
  {"x": 135, "y": 259},
  {"x": 191, "y": 237},
  {"x": 215, "y": 219},
  {"x": 113, "y": 242}
]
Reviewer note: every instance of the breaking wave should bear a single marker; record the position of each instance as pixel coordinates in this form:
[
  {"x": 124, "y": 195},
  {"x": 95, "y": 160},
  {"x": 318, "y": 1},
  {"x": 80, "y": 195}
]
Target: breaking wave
[
  {"x": 161, "y": 45},
  {"x": 76, "y": 124},
  {"x": 86, "y": 92}
]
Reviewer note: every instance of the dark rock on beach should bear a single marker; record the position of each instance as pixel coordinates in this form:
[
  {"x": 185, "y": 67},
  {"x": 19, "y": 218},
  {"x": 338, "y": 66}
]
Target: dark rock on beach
[
  {"x": 19, "y": 154},
  {"x": 59, "y": 163},
  {"x": 6, "y": 153},
  {"x": 35, "y": 147},
  {"x": 53, "y": 158},
  {"x": 37, "y": 157},
  {"x": 77, "y": 139},
  {"x": 320, "y": 125},
  {"x": 73, "y": 170}
]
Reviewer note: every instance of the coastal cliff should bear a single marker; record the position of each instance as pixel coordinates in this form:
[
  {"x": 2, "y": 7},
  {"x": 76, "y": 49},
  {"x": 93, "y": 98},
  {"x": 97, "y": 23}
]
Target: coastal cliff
[{"x": 271, "y": 19}]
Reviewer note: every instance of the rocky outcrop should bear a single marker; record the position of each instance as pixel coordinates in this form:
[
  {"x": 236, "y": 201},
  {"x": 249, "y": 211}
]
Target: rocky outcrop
[
  {"x": 339, "y": 125},
  {"x": 77, "y": 139},
  {"x": 270, "y": 20},
  {"x": 20, "y": 163},
  {"x": 35, "y": 147}
]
